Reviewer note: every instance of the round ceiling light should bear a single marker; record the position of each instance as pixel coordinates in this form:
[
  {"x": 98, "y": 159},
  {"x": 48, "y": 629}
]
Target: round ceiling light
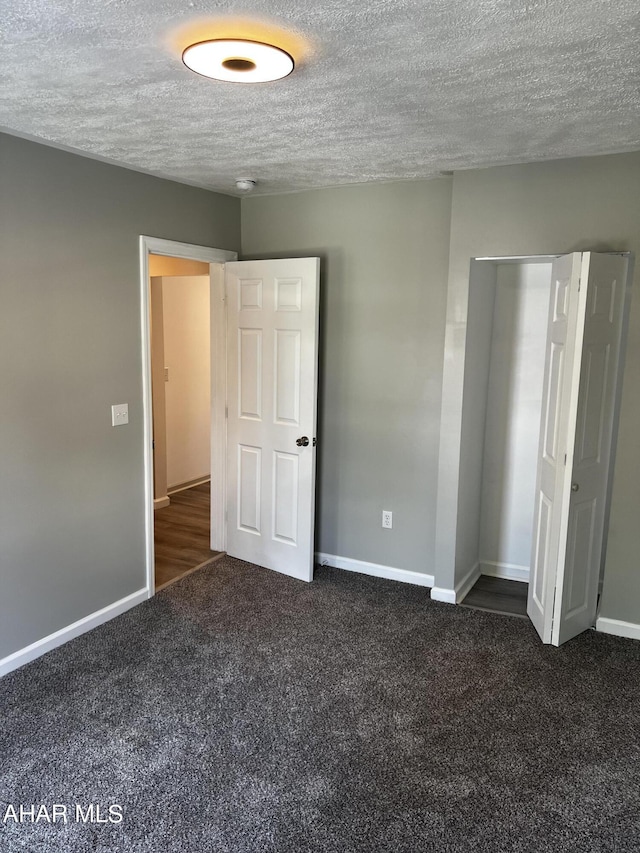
[{"x": 238, "y": 60}]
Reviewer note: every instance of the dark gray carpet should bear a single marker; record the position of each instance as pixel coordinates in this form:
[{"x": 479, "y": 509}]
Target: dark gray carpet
[{"x": 243, "y": 711}]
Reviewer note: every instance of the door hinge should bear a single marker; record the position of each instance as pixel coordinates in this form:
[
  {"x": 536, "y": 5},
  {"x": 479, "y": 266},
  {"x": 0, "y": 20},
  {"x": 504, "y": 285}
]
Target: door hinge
[
  {"x": 565, "y": 458},
  {"x": 579, "y": 284}
]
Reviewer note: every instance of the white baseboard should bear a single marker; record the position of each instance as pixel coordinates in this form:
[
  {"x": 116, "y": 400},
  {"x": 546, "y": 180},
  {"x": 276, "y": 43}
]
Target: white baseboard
[
  {"x": 441, "y": 593},
  {"x": 631, "y": 630},
  {"x": 455, "y": 596},
  {"x": 507, "y": 571},
  {"x": 161, "y": 503},
  {"x": 374, "y": 569},
  {"x": 46, "y": 644},
  {"x": 189, "y": 484},
  {"x": 464, "y": 586}
]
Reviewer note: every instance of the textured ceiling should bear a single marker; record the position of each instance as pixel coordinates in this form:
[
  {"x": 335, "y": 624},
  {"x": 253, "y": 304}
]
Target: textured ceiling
[{"x": 383, "y": 89}]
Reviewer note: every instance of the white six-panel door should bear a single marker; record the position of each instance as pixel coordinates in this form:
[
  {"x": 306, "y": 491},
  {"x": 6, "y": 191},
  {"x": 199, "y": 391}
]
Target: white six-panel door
[
  {"x": 559, "y": 410},
  {"x": 272, "y": 356},
  {"x": 583, "y": 348},
  {"x": 577, "y": 585}
]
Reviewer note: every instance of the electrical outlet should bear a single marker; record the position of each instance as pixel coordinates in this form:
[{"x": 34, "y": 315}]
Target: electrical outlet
[{"x": 387, "y": 519}]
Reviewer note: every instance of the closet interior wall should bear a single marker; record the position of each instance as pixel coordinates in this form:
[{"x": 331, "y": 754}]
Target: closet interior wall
[{"x": 504, "y": 369}]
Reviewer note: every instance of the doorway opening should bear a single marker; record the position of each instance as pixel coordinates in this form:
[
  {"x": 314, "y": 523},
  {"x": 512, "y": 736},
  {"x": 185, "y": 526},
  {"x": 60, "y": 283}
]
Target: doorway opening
[
  {"x": 264, "y": 376},
  {"x": 181, "y": 390},
  {"x": 184, "y": 377},
  {"x": 544, "y": 344}
]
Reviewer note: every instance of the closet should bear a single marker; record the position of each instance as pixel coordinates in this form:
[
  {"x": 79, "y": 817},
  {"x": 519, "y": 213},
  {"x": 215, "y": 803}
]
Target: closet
[{"x": 541, "y": 393}]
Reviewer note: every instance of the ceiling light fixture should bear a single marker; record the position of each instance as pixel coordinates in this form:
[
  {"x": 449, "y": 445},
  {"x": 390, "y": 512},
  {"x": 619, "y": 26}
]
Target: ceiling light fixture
[{"x": 238, "y": 60}]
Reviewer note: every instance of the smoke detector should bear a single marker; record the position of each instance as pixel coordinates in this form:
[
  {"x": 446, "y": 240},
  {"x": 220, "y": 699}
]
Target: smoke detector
[{"x": 245, "y": 185}]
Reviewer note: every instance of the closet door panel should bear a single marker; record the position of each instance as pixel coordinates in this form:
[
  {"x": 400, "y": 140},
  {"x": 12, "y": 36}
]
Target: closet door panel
[{"x": 559, "y": 403}]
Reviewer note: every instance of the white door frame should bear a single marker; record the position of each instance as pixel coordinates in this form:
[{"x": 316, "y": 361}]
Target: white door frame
[
  {"x": 216, "y": 258},
  {"x": 451, "y": 582}
]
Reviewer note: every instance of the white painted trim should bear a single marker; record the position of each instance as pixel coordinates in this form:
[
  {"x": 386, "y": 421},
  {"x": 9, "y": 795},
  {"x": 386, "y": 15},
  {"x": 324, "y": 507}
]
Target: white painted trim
[
  {"x": 147, "y": 412},
  {"x": 173, "y": 249},
  {"x": 374, "y": 569},
  {"x": 464, "y": 586},
  {"x": 455, "y": 596},
  {"x": 440, "y": 593},
  {"x": 631, "y": 630},
  {"x": 507, "y": 571},
  {"x": 519, "y": 259},
  {"x": 161, "y": 503},
  {"x": 218, "y": 451},
  {"x": 46, "y": 644},
  {"x": 191, "y": 484}
]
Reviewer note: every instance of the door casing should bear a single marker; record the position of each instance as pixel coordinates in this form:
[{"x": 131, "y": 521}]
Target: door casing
[
  {"x": 452, "y": 403},
  {"x": 216, "y": 258}
]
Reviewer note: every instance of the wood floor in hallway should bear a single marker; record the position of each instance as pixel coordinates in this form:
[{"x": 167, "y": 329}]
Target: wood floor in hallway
[{"x": 181, "y": 534}]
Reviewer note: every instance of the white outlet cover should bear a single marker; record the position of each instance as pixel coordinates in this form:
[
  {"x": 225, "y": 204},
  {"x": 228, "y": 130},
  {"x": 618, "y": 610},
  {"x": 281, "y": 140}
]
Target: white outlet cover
[
  {"x": 120, "y": 414},
  {"x": 387, "y": 519}
]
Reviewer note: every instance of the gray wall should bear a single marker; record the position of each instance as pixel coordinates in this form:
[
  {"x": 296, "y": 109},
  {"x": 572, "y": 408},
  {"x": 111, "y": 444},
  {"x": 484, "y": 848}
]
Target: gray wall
[
  {"x": 384, "y": 251},
  {"x": 555, "y": 207},
  {"x": 71, "y": 486},
  {"x": 71, "y": 498}
]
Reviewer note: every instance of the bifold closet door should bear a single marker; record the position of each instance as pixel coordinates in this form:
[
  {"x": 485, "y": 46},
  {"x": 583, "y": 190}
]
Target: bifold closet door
[{"x": 581, "y": 369}]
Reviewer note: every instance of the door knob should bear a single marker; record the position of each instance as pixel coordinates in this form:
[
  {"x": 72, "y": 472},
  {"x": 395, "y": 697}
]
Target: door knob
[
  {"x": 574, "y": 487},
  {"x": 303, "y": 441}
]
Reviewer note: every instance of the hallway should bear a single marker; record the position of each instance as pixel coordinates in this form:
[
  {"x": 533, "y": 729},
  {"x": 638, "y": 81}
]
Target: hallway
[{"x": 182, "y": 533}]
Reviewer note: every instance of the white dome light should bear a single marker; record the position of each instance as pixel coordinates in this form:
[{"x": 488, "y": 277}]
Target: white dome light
[{"x": 238, "y": 60}]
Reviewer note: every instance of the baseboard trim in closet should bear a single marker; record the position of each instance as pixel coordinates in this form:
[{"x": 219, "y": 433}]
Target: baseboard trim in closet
[
  {"x": 467, "y": 582},
  {"x": 506, "y": 571}
]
